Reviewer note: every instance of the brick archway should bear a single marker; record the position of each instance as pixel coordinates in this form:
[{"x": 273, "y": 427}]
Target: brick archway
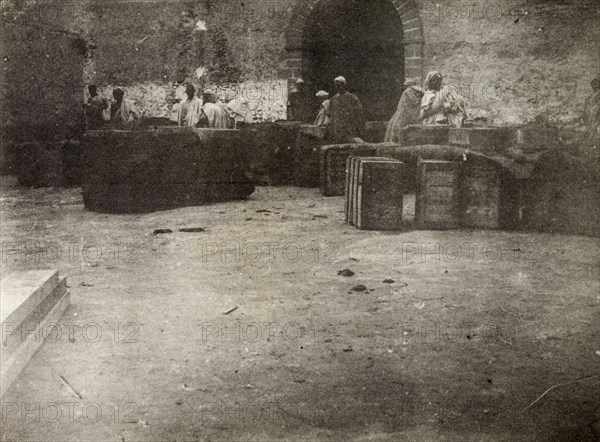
[{"x": 412, "y": 29}]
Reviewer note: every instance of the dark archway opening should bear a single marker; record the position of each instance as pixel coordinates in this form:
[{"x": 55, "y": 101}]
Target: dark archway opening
[{"x": 361, "y": 40}]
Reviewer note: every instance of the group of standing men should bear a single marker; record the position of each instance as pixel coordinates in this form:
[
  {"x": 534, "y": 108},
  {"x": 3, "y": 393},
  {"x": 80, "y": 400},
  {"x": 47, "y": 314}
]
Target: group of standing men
[
  {"x": 342, "y": 116},
  {"x": 121, "y": 114}
]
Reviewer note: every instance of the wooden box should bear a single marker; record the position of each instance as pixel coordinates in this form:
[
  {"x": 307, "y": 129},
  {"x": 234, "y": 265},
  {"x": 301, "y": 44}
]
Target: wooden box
[
  {"x": 437, "y": 195},
  {"x": 306, "y": 156},
  {"x": 420, "y": 134},
  {"x": 374, "y": 195},
  {"x": 332, "y": 165},
  {"x": 494, "y": 140},
  {"x": 480, "y": 196}
]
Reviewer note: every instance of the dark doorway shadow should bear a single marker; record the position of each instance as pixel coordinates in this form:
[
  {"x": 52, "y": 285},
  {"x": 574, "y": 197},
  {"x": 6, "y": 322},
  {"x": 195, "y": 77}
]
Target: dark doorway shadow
[{"x": 362, "y": 41}]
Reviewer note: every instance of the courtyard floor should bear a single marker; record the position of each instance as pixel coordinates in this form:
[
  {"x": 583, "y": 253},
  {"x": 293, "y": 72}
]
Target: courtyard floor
[{"x": 468, "y": 329}]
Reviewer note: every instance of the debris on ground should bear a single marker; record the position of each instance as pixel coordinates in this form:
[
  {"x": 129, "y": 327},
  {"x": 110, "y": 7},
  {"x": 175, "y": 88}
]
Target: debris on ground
[
  {"x": 85, "y": 284},
  {"x": 320, "y": 216},
  {"x": 162, "y": 231},
  {"x": 347, "y": 349},
  {"x": 346, "y": 272},
  {"x": 249, "y": 386},
  {"x": 354, "y": 259},
  {"x": 231, "y": 310},
  {"x": 359, "y": 288},
  {"x": 192, "y": 230},
  {"x": 263, "y": 211},
  {"x": 388, "y": 281}
]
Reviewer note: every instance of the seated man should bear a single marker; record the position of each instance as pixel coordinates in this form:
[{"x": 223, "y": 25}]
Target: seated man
[
  {"x": 347, "y": 123},
  {"x": 323, "y": 116},
  {"x": 440, "y": 104},
  {"x": 215, "y": 115},
  {"x": 122, "y": 112},
  {"x": 190, "y": 109}
]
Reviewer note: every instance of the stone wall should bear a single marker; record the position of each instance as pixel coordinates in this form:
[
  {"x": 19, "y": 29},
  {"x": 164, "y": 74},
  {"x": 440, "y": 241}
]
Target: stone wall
[{"x": 513, "y": 59}]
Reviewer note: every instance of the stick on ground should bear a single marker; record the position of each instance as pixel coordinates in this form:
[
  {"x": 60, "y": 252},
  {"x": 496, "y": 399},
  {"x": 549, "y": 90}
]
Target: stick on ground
[{"x": 553, "y": 387}]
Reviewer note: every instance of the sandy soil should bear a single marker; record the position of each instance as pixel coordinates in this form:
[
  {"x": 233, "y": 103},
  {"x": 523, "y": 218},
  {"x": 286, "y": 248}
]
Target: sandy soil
[{"x": 470, "y": 328}]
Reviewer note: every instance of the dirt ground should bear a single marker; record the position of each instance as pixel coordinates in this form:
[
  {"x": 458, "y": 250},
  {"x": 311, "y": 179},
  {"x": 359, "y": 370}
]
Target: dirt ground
[{"x": 469, "y": 329}]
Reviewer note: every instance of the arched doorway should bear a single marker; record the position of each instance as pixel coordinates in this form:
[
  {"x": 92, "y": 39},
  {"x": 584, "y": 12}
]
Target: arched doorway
[
  {"x": 375, "y": 44},
  {"x": 361, "y": 40}
]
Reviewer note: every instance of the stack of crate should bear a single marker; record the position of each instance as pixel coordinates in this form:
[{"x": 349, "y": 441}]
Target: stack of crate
[
  {"x": 32, "y": 303},
  {"x": 374, "y": 193}
]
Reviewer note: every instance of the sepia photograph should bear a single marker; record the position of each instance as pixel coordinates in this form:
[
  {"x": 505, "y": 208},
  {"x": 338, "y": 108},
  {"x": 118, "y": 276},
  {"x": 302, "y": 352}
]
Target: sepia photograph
[{"x": 300, "y": 220}]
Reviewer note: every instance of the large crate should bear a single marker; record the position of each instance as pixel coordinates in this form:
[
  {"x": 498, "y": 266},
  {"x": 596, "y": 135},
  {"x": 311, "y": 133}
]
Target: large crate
[
  {"x": 421, "y": 134},
  {"x": 332, "y": 165},
  {"x": 410, "y": 156},
  {"x": 146, "y": 171},
  {"x": 374, "y": 198},
  {"x": 480, "y": 195},
  {"x": 437, "y": 199},
  {"x": 375, "y": 131},
  {"x": 306, "y": 156},
  {"x": 561, "y": 196},
  {"x": 491, "y": 140},
  {"x": 271, "y": 151}
]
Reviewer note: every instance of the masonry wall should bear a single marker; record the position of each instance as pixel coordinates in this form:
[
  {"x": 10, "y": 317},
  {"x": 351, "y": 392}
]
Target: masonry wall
[{"x": 513, "y": 59}]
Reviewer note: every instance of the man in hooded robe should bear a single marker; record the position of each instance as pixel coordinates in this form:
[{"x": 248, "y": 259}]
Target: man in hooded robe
[
  {"x": 408, "y": 112},
  {"x": 347, "y": 123},
  {"x": 440, "y": 104}
]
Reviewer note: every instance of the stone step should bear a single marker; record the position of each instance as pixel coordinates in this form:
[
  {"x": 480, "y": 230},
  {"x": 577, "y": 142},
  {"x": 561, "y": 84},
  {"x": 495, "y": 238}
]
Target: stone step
[{"x": 31, "y": 304}]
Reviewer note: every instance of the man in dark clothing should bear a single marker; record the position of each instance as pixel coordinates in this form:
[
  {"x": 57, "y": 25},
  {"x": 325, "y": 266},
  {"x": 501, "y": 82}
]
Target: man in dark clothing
[
  {"x": 347, "y": 123},
  {"x": 301, "y": 105}
]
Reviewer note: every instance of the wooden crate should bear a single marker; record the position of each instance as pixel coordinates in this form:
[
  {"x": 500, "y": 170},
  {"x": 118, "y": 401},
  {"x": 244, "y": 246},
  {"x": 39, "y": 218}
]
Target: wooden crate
[
  {"x": 380, "y": 194},
  {"x": 437, "y": 195},
  {"x": 480, "y": 196},
  {"x": 374, "y": 193},
  {"x": 332, "y": 165},
  {"x": 420, "y": 134},
  {"x": 485, "y": 139},
  {"x": 306, "y": 152},
  {"x": 146, "y": 171}
]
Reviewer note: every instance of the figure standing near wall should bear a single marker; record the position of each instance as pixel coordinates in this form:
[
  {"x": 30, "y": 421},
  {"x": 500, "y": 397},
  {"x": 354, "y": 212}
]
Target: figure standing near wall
[
  {"x": 94, "y": 108},
  {"x": 347, "y": 116},
  {"x": 440, "y": 104},
  {"x": 190, "y": 108},
  {"x": 301, "y": 105},
  {"x": 408, "y": 111},
  {"x": 123, "y": 114},
  {"x": 591, "y": 112},
  {"x": 323, "y": 118}
]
